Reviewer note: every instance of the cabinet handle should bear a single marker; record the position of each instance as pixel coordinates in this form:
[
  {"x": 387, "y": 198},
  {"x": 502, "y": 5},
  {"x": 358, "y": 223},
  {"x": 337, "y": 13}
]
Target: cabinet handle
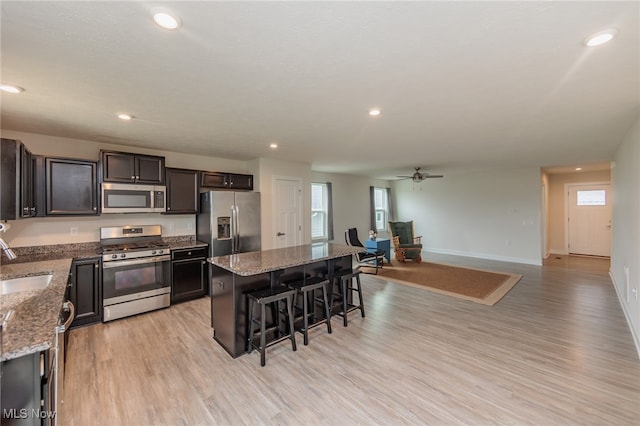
[
  {"x": 95, "y": 208},
  {"x": 133, "y": 177}
]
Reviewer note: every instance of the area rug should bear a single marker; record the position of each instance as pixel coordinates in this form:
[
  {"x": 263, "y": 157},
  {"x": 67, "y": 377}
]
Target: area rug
[{"x": 476, "y": 285}]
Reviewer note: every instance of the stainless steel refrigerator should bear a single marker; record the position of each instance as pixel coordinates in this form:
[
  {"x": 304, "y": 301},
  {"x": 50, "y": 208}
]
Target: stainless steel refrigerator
[{"x": 229, "y": 222}]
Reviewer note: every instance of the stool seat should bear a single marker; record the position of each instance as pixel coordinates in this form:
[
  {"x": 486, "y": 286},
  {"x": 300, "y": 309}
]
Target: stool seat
[
  {"x": 344, "y": 279},
  {"x": 271, "y": 297},
  {"x": 304, "y": 288}
]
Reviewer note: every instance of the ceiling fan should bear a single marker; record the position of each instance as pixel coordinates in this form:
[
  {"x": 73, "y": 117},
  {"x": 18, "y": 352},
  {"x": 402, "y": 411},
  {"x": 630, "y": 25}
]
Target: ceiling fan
[{"x": 419, "y": 177}]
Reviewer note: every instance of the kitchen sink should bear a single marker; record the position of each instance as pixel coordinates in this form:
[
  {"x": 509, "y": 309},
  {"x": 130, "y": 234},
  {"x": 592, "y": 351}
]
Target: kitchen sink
[{"x": 15, "y": 285}]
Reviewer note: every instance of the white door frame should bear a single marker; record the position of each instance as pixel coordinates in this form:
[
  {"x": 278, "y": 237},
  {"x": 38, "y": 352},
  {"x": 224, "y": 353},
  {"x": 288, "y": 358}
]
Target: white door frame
[
  {"x": 274, "y": 209},
  {"x": 567, "y": 187}
]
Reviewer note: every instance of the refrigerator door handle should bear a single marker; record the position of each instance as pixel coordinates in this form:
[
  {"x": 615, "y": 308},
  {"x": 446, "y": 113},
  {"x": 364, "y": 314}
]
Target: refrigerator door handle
[
  {"x": 237, "y": 233},
  {"x": 234, "y": 230}
]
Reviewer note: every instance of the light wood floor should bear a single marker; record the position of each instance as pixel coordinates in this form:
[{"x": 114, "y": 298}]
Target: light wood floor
[{"x": 556, "y": 350}]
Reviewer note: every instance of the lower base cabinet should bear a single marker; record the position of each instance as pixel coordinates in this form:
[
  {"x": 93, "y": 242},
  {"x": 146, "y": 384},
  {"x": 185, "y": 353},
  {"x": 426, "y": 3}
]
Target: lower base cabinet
[
  {"x": 27, "y": 393},
  {"x": 85, "y": 291},
  {"x": 188, "y": 274}
]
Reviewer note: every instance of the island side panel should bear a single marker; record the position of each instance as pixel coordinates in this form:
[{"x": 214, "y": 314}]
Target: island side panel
[{"x": 229, "y": 307}]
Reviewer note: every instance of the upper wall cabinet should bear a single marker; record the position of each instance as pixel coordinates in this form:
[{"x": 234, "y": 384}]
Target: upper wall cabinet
[
  {"x": 17, "y": 194},
  {"x": 71, "y": 186},
  {"x": 126, "y": 167},
  {"x": 182, "y": 191},
  {"x": 226, "y": 181}
]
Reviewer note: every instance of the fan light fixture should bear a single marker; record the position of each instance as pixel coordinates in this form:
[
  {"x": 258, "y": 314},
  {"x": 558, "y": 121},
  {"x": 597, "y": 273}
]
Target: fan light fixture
[{"x": 418, "y": 177}]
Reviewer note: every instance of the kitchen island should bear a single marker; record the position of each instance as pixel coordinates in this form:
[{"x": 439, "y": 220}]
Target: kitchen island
[{"x": 235, "y": 275}]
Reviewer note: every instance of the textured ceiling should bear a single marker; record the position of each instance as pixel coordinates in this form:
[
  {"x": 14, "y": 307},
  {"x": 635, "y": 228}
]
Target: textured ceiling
[{"x": 460, "y": 84}]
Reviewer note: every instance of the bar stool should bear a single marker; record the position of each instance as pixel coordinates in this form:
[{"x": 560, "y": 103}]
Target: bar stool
[
  {"x": 345, "y": 279},
  {"x": 305, "y": 288},
  {"x": 271, "y": 297}
]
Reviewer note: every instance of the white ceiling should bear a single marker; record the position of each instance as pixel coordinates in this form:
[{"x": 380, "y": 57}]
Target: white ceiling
[{"x": 460, "y": 84}]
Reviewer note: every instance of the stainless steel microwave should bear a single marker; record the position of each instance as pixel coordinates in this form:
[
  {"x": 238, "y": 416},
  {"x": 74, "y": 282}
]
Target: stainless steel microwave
[{"x": 132, "y": 198}]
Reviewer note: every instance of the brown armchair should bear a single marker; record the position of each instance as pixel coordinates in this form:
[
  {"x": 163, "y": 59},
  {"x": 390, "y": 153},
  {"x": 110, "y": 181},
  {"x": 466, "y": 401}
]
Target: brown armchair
[{"x": 405, "y": 245}]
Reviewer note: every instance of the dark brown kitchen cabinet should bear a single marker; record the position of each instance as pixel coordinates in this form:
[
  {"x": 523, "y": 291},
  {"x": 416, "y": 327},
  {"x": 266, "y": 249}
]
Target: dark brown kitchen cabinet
[
  {"x": 127, "y": 167},
  {"x": 188, "y": 273},
  {"x": 85, "y": 291},
  {"x": 17, "y": 194},
  {"x": 182, "y": 191},
  {"x": 71, "y": 186},
  {"x": 226, "y": 181}
]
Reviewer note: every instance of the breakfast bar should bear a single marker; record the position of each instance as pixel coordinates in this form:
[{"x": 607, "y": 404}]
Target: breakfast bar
[{"x": 233, "y": 276}]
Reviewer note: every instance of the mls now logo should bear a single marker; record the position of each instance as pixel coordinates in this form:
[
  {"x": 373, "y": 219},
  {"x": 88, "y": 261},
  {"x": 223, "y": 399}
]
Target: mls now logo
[{"x": 23, "y": 413}]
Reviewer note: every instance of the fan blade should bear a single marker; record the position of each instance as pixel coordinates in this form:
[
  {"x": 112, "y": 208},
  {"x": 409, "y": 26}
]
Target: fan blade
[{"x": 431, "y": 176}]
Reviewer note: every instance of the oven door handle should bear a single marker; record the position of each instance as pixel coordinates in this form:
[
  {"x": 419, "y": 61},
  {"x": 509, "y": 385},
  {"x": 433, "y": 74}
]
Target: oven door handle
[{"x": 121, "y": 263}]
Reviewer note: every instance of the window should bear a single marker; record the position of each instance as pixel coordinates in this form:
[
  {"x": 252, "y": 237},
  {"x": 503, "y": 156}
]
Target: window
[
  {"x": 381, "y": 206},
  {"x": 319, "y": 211},
  {"x": 592, "y": 198}
]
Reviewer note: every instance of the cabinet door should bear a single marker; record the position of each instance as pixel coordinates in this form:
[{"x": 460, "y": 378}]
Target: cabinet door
[
  {"x": 182, "y": 191},
  {"x": 149, "y": 169},
  {"x": 241, "y": 181},
  {"x": 71, "y": 187},
  {"x": 85, "y": 291},
  {"x": 118, "y": 167},
  {"x": 187, "y": 279},
  {"x": 27, "y": 197},
  {"x": 214, "y": 180}
]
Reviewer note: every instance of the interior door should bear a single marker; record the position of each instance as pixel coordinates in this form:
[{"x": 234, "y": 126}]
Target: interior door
[
  {"x": 287, "y": 212},
  {"x": 590, "y": 219}
]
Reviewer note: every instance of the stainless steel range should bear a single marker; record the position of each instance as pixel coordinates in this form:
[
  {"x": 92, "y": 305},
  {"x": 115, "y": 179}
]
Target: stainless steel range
[{"x": 136, "y": 270}]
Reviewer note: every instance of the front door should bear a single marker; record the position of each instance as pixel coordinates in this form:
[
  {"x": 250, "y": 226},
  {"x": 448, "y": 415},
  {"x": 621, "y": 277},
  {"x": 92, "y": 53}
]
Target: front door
[
  {"x": 590, "y": 219},
  {"x": 287, "y": 211}
]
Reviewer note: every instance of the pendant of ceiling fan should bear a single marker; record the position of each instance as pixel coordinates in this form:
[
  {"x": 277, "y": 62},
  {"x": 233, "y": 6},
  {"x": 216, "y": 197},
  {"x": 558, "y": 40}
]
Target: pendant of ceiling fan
[{"x": 419, "y": 177}]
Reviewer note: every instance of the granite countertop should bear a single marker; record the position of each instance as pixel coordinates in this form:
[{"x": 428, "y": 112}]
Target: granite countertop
[
  {"x": 31, "y": 327},
  {"x": 258, "y": 262},
  {"x": 175, "y": 245}
]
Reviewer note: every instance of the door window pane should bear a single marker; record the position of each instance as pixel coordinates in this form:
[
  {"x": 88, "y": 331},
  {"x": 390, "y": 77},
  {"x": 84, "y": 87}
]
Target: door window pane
[{"x": 592, "y": 198}]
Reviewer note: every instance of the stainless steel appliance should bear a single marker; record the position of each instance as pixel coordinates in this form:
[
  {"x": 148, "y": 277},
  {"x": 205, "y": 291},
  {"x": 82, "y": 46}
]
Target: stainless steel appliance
[
  {"x": 136, "y": 270},
  {"x": 229, "y": 222},
  {"x": 132, "y": 198},
  {"x": 55, "y": 387}
]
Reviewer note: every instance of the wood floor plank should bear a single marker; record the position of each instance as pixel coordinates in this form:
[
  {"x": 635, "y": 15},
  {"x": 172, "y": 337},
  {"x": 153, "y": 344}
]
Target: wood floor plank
[{"x": 555, "y": 350}]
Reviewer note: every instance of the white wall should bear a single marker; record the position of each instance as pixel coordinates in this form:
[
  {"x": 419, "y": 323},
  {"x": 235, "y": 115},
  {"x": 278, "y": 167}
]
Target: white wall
[
  {"x": 488, "y": 214},
  {"x": 57, "y": 230},
  {"x": 351, "y": 202},
  {"x": 264, "y": 170},
  {"x": 625, "y": 177}
]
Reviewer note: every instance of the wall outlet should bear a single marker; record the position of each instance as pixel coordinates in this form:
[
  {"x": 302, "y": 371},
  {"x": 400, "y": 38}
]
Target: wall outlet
[
  {"x": 73, "y": 230},
  {"x": 189, "y": 226}
]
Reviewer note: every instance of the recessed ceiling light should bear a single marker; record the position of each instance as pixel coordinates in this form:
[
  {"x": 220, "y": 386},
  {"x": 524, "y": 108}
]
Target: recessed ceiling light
[
  {"x": 374, "y": 112},
  {"x": 165, "y": 19},
  {"x": 125, "y": 116},
  {"x": 578, "y": 169},
  {"x": 273, "y": 145},
  {"x": 11, "y": 89},
  {"x": 601, "y": 37}
]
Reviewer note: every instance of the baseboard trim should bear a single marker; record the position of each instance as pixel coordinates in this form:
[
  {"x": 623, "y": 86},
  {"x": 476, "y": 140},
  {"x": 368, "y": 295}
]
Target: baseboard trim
[{"x": 627, "y": 315}]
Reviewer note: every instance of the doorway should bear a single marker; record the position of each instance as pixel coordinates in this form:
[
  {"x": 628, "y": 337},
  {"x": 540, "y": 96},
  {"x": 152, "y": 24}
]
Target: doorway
[
  {"x": 287, "y": 208},
  {"x": 588, "y": 219}
]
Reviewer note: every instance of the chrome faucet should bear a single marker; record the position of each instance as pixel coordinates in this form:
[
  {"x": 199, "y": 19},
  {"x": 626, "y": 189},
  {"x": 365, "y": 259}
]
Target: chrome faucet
[{"x": 7, "y": 250}]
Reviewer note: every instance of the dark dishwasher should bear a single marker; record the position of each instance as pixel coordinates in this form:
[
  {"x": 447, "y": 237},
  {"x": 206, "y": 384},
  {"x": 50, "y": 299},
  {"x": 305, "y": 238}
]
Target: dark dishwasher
[{"x": 188, "y": 273}]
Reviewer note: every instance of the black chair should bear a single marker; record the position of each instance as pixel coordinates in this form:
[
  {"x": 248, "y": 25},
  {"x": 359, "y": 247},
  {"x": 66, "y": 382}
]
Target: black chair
[
  {"x": 271, "y": 297},
  {"x": 372, "y": 259}
]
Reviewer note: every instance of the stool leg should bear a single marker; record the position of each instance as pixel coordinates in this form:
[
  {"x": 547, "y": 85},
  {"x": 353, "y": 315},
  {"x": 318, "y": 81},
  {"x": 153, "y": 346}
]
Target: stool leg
[
  {"x": 293, "y": 331},
  {"x": 326, "y": 307},
  {"x": 251, "y": 327},
  {"x": 305, "y": 320},
  {"x": 263, "y": 338},
  {"x": 345, "y": 306},
  {"x": 360, "y": 295}
]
